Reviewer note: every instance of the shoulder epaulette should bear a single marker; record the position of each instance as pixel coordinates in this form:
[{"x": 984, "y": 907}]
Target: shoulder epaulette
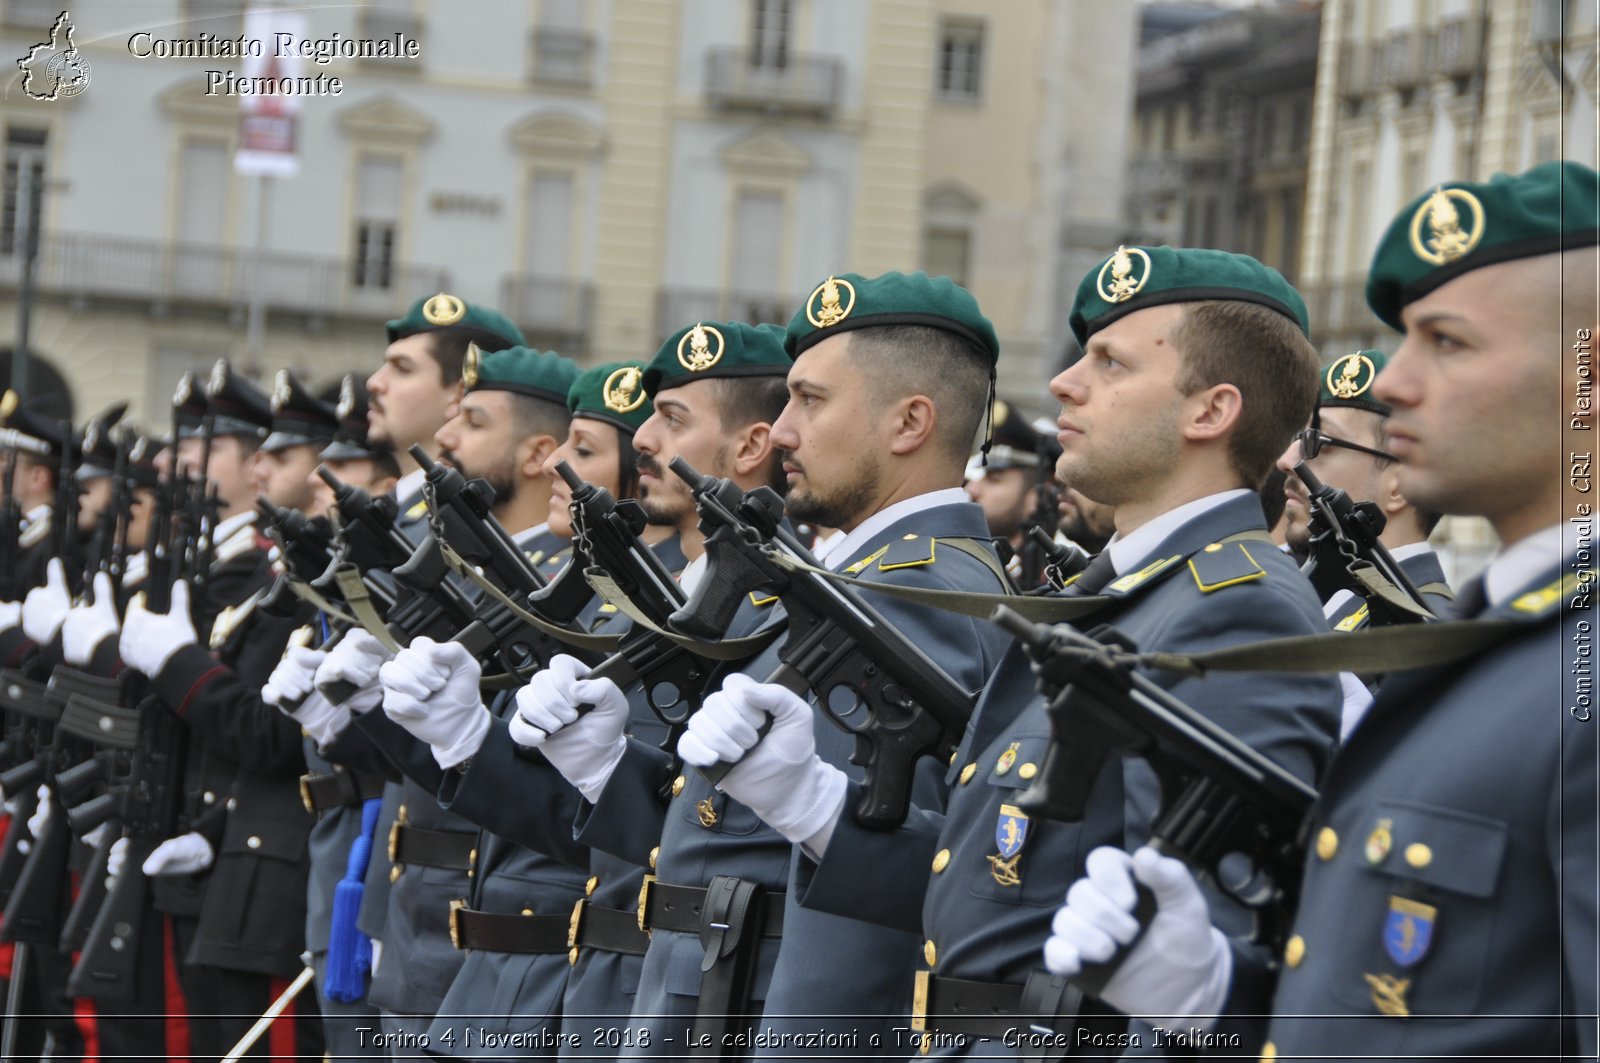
[
  {"x": 1133, "y": 580},
  {"x": 761, "y": 602},
  {"x": 418, "y": 511},
  {"x": 908, "y": 551},
  {"x": 240, "y": 542},
  {"x": 865, "y": 561},
  {"x": 1223, "y": 565},
  {"x": 229, "y": 619}
]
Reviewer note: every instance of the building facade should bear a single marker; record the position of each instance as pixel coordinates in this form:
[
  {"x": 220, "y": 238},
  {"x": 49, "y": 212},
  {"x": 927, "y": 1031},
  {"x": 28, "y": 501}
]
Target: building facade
[{"x": 603, "y": 171}]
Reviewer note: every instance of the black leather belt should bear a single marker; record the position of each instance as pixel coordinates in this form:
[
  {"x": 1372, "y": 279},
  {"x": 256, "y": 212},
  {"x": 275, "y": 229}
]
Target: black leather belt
[
  {"x": 338, "y": 788},
  {"x": 605, "y": 929},
  {"x": 664, "y": 907},
  {"x": 417, "y": 846},
  {"x": 1036, "y": 1012},
  {"x": 490, "y": 932}
]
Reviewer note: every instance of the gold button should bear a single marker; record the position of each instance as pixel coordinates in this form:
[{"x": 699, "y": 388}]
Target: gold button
[
  {"x": 1028, "y": 771},
  {"x": 908, "y": 536},
  {"x": 394, "y": 873},
  {"x": 527, "y": 911},
  {"x": 967, "y": 773},
  {"x": 653, "y": 854},
  {"x": 953, "y": 756},
  {"x": 930, "y": 953},
  {"x": 253, "y": 842},
  {"x": 1418, "y": 855},
  {"x": 1327, "y": 843},
  {"x": 677, "y": 786},
  {"x": 941, "y": 860},
  {"x": 588, "y": 887},
  {"x": 1294, "y": 951},
  {"x": 1269, "y": 1052}
]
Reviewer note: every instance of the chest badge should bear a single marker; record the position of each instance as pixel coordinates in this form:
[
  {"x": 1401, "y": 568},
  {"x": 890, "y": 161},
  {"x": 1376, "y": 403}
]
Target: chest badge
[
  {"x": 1379, "y": 841},
  {"x": 1408, "y": 931},
  {"x": 1389, "y": 994},
  {"x": 1008, "y": 758},
  {"x": 1010, "y": 834}
]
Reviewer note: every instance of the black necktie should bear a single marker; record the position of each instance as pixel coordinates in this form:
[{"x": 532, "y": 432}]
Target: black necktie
[{"x": 1094, "y": 578}]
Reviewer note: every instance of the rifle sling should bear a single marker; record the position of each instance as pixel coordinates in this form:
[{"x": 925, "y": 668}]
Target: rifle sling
[
  {"x": 601, "y": 644},
  {"x": 355, "y": 595},
  {"x": 726, "y": 650},
  {"x": 1375, "y": 585},
  {"x": 306, "y": 593}
]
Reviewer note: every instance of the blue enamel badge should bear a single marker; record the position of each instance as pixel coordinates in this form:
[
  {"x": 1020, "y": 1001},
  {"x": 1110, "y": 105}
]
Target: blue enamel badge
[
  {"x": 1010, "y": 830},
  {"x": 1408, "y": 931}
]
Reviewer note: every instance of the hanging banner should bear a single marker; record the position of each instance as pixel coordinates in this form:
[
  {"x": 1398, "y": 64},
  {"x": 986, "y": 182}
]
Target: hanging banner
[{"x": 269, "y": 120}]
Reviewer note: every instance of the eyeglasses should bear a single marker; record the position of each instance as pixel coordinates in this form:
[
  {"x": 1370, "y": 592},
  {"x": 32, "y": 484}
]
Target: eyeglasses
[{"x": 1312, "y": 440}]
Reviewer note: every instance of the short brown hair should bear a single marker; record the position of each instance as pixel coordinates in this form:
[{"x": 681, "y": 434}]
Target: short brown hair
[{"x": 1265, "y": 356}]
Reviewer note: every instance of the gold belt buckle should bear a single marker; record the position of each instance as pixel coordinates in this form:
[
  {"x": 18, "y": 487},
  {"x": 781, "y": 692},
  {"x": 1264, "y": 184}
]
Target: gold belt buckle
[
  {"x": 919, "y": 1008},
  {"x": 394, "y": 834},
  {"x": 305, "y": 795},
  {"x": 644, "y": 902},
  {"x": 574, "y": 928},
  {"x": 456, "y": 907}
]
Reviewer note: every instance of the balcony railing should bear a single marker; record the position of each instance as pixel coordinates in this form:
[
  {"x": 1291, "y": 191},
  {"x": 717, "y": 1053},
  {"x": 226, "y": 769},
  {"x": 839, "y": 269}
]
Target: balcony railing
[
  {"x": 75, "y": 266},
  {"x": 1458, "y": 48},
  {"x": 561, "y": 56},
  {"x": 1401, "y": 60},
  {"x": 685, "y": 306},
  {"x": 803, "y": 84},
  {"x": 557, "y": 309}
]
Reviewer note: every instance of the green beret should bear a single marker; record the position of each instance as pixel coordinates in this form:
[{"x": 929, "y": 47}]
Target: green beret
[
  {"x": 541, "y": 374},
  {"x": 1134, "y": 278},
  {"x": 849, "y": 301},
  {"x": 489, "y": 329},
  {"x": 1348, "y": 381},
  {"x": 614, "y": 393},
  {"x": 709, "y": 349},
  {"x": 1461, "y": 226}
]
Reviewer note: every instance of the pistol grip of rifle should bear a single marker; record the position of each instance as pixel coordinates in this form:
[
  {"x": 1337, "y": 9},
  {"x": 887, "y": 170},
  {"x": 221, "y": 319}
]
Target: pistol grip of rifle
[
  {"x": 1092, "y": 978},
  {"x": 715, "y": 773},
  {"x": 337, "y": 691},
  {"x": 887, "y": 796}
]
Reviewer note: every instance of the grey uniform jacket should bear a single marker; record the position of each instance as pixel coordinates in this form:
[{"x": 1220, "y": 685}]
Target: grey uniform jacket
[
  {"x": 1449, "y": 901},
  {"x": 979, "y": 880},
  {"x": 829, "y": 972}
]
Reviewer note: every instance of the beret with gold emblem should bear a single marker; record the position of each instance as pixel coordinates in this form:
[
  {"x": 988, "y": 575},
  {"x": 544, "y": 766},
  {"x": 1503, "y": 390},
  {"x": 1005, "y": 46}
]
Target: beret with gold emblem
[
  {"x": 1135, "y": 278},
  {"x": 848, "y": 301},
  {"x": 488, "y": 328},
  {"x": 712, "y": 349},
  {"x": 298, "y": 416},
  {"x": 1347, "y": 381},
  {"x": 539, "y": 374},
  {"x": 613, "y": 393},
  {"x": 1461, "y": 226}
]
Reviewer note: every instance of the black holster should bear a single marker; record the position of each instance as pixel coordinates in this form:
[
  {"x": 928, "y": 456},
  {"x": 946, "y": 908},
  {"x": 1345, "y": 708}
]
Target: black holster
[{"x": 730, "y": 931}]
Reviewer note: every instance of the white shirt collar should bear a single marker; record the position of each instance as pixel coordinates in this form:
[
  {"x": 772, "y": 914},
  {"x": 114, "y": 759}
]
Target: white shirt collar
[
  {"x": 36, "y": 514},
  {"x": 1410, "y": 550},
  {"x": 1127, "y": 553},
  {"x": 692, "y": 574},
  {"x": 226, "y": 528},
  {"x": 522, "y": 538},
  {"x": 826, "y": 544},
  {"x": 1518, "y": 564},
  {"x": 409, "y": 485},
  {"x": 845, "y": 548}
]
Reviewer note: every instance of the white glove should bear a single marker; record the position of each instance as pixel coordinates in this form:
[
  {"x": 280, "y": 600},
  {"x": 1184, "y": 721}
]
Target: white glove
[
  {"x": 431, "y": 689},
  {"x": 117, "y": 858},
  {"x": 41, "y": 813},
  {"x": 10, "y": 614},
  {"x": 150, "y": 639},
  {"x": 293, "y": 682},
  {"x": 585, "y": 749},
  {"x": 183, "y": 855},
  {"x": 356, "y": 661},
  {"x": 45, "y": 607},
  {"x": 86, "y": 626},
  {"x": 1182, "y": 965},
  {"x": 779, "y": 777}
]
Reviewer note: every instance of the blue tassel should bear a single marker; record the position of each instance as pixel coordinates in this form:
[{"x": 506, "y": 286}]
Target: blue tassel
[{"x": 349, "y": 950}]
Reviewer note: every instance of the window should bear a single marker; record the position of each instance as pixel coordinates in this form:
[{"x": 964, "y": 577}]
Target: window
[
  {"x": 547, "y": 249},
  {"x": 946, "y": 252},
  {"x": 960, "y": 60},
  {"x": 769, "y": 33},
  {"x": 757, "y": 243},
  {"x": 24, "y": 151},
  {"x": 377, "y": 219}
]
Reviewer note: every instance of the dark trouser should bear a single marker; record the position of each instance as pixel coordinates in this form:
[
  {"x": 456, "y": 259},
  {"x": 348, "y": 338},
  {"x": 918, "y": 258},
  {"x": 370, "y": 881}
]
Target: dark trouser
[
  {"x": 223, "y": 1005},
  {"x": 137, "y": 1029},
  {"x": 342, "y": 1023}
]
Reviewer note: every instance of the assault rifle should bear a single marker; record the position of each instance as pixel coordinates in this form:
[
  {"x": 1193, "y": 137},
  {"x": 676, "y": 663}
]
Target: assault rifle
[
  {"x": 869, "y": 678},
  {"x": 1346, "y": 552},
  {"x": 1218, "y": 795}
]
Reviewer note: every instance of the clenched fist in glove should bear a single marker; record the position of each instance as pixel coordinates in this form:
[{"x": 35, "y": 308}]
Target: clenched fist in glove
[
  {"x": 46, "y": 607},
  {"x": 150, "y": 639},
  {"x": 354, "y": 663},
  {"x": 779, "y": 777},
  {"x": 292, "y": 689},
  {"x": 431, "y": 689},
  {"x": 584, "y": 748},
  {"x": 86, "y": 626},
  {"x": 183, "y": 855},
  {"x": 1182, "y": 965}
]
